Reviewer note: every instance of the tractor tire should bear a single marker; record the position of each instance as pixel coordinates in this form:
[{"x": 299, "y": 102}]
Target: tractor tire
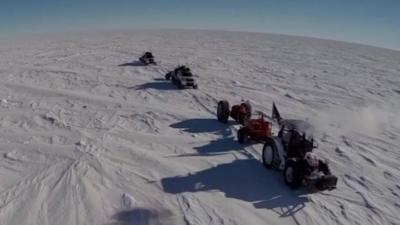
[
  {"x": 291, "y": 174},
  {"x": 269, "y": 154},
  {"x": 242, "y": 135},
  {"x": 168, "y": 76},
  {"x": 223, "y": 111}
]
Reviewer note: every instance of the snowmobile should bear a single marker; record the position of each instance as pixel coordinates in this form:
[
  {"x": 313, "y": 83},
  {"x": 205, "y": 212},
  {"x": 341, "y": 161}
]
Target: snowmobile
[
  {"x": 239, "y": 113},
  {"x": 182, "y": 77},
  {"x": 147, "y": 58},
  {"x": 289, "y": 151}
]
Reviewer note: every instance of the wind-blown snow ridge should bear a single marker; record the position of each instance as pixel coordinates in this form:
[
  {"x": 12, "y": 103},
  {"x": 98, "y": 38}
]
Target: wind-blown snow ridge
[{"x": 89, "y": 136}]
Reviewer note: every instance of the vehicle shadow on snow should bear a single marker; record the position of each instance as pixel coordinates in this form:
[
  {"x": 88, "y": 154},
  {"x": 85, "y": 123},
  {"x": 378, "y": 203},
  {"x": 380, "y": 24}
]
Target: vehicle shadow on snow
[
  {"x": 158, "y": 85},
  {"x": 134, "y": 63},
  {"x": 142, "y": 216},
  {"x": 243, "y": 179},
  {"x": 159, "y": 79},
  {"x": 203, "y": 125},
  {"x": 221, "y": 145}
]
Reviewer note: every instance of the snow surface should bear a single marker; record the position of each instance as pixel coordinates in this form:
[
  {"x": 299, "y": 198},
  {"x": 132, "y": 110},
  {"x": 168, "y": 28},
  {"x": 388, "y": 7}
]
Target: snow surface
[{"x": 89, "y": 136}]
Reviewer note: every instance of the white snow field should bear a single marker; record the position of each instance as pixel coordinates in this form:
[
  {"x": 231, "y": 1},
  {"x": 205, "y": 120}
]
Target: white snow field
[{"x": 88, "y": 136}]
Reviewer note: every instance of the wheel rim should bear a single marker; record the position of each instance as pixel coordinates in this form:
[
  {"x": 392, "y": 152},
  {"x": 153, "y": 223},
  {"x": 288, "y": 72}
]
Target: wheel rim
[
  {"x": 268, "y": 155},
  {"x": 289, "y": 174}
]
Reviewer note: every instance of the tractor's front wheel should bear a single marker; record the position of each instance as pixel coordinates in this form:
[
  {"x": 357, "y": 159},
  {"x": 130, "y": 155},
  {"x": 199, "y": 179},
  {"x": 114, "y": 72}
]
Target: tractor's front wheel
[
  {"x": 269, "y": 154},
  {"x": 223, "y": 111},
  {"x": 242, "y": 135}
]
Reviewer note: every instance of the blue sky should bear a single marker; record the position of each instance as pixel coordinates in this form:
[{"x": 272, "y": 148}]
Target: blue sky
[{"x": 373, "y": 22}]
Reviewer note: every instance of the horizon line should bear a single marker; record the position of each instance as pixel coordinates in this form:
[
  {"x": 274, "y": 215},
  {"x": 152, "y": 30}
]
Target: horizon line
[{"x": 11, "y": 37}]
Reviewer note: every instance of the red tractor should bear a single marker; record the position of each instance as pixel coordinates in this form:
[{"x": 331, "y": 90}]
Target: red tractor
[
  {"x": 255, "y": 129},
  {"x": 240, "y": 113}
]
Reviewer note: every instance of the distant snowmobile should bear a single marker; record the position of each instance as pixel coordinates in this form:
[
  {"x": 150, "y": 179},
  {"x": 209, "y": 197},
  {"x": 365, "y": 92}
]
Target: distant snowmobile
[
  {"x": 147, "y": 58},
  {"x": 182, "y": 77},
  {"x": 291, "y": 151}
]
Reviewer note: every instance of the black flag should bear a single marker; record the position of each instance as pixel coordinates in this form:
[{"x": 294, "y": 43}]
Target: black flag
[{"x": 275, "y": 113}]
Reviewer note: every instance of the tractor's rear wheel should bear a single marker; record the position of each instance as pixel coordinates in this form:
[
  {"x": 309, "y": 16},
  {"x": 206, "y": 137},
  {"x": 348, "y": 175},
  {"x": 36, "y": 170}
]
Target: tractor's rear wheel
[
  {"x": 242, "y": 135},
  {"x": 292, "y": 175},
  {"x": 269, "y": 154},
  {"x": 223, "y": 111}
]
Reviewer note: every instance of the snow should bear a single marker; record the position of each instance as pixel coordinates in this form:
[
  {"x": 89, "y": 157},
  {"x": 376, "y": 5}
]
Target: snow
[{"x": 90, "y": 136}]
